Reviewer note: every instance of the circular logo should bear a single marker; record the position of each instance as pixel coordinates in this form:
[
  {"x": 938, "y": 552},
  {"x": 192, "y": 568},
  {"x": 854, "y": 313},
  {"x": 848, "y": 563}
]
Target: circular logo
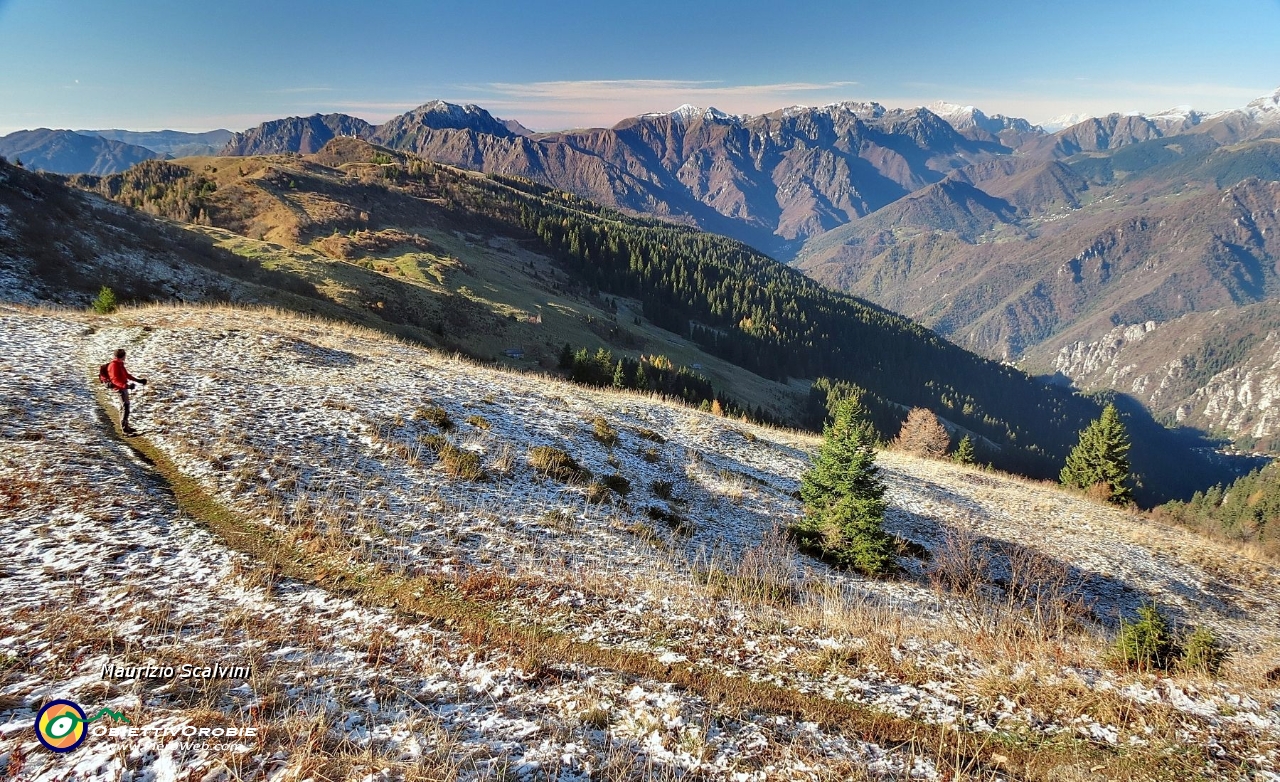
[{"x": 60, "y": 725}]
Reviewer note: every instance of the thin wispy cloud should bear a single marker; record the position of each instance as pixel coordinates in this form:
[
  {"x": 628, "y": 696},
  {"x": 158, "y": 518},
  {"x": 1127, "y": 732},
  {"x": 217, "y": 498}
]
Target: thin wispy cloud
[{"x": 298, "y": 90}]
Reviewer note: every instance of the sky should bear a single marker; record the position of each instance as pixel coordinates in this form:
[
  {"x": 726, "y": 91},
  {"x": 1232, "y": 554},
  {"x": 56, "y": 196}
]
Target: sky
[{"x": 152, "y": 64}]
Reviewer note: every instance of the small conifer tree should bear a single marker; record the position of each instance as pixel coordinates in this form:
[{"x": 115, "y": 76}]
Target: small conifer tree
[
  {"x": 964, "y": 451},
  {"x": 1202, "y": 652},
  {"x": 1147, "y": 644},
  {"x": 106, "y": 301},
  {"x": 1101, "y": 458},
  {"x": 844, "y": 497},
  {"x": 619, "y": 375}
]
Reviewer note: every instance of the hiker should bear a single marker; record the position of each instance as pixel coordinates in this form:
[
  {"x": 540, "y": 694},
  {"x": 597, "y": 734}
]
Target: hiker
[{"x": 120, "y": 381}]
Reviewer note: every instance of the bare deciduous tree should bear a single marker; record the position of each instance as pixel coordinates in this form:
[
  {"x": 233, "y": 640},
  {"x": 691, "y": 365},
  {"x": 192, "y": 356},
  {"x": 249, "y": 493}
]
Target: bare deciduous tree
[{"x": 923, "y": 435}]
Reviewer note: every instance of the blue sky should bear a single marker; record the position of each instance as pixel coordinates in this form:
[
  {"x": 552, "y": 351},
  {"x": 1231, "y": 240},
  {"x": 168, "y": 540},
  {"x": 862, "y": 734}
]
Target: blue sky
[{"x": 149, "y": 64}]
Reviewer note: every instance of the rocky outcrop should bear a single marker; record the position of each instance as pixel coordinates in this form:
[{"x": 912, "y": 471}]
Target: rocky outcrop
[{"x": 1218, "y": 372}]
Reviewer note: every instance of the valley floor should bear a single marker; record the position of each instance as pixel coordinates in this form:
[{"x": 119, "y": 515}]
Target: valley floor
[{"x": 666, "y": 632}]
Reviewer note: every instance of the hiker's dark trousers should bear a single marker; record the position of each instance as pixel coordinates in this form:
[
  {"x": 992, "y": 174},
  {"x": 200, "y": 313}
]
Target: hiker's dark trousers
[{"x": 124, "y": 407}]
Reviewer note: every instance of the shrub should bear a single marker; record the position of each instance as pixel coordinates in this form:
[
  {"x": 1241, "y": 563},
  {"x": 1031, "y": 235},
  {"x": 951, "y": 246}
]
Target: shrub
[
  {"x": 479, "y": 422},
  {"x": 650, "y": 455},
  {"x": 662, "y": 489},
  {"x": 434, "y": 415},
  {"x": 604, "y": 433},
  {"x": 434, "y": 442},
  {"x": 105, "y": 304},
  {"x": 558, "y": 464},
  {"x": 1203, "y": 653},
  {"x": 923, "y": 435},
  {"x": 1146, "y": 644},
  {"x": 598, "y": 492}
]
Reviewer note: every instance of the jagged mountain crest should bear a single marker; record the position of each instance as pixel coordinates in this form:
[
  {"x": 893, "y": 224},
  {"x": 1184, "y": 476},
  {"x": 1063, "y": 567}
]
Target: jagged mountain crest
[
  {"x": 775, "y": 179},
  {"x": 304, "y": 135}
]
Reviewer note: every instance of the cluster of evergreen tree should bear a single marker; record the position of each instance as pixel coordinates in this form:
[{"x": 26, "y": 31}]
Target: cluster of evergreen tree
[
  {"x": 745, "y": 307},
  {"x": 1247, "y": 510},
  {"x": 156, "y": 187},
  {"x": 651, "y": 373}
]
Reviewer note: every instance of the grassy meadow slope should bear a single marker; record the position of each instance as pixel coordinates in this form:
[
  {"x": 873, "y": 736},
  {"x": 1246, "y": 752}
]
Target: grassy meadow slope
[{"x": 419, "y": 593}]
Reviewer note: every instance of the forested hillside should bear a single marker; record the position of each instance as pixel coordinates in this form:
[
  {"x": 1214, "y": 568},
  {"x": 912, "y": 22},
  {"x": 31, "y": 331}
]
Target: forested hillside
[
  {"x": 1247, "y": 510},
  {"x": 731, "y": 300}
]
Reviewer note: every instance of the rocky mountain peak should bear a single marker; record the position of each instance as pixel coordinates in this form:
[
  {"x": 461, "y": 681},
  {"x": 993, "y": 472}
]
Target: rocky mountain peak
[{"x": 1265, "y": 108}]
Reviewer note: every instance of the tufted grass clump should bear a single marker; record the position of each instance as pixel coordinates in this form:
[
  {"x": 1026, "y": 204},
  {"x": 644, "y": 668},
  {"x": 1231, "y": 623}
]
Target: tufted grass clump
[
  {"x": 434, "y": 415},
  {"x": 605, "y": 434},
  {"x": 461, "y": 463},
  {"x": 556, "y": 463}
]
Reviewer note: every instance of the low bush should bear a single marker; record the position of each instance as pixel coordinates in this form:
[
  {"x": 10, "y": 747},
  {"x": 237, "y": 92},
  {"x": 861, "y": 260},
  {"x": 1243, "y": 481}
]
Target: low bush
[
  {"x": 663, "y": 489},
  {"x": 434, "y": 442},
  {"x": 617, "y": 484},
  {"x": 598, "y": 493},
  {"x": 479, "y": 422},
  {"x": 673, "y": 520}
]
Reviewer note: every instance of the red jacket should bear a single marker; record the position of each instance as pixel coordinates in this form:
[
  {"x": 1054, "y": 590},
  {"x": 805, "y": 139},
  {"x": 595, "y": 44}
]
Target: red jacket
[{"x": 118, "y": 375}]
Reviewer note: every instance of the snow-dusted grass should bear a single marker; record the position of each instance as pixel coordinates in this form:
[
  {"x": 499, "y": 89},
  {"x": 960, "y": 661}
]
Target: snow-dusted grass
[
  {"x": 310, "y": 429},
  {"x": 101, "y": 567}
]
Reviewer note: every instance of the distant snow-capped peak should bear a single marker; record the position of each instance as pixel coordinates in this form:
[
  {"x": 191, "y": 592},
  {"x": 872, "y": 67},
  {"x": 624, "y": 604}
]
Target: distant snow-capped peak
[
  {"x": 948, "y": 110},
  {"x": 452, "y": 109},
  {"x": 964, "y": 117},
  {"x": 687, "y": 112},
  {"x": 1266, "y": 108},
  {"x": 859, "y": 108},
  {"x": 1064, "y": 121}
]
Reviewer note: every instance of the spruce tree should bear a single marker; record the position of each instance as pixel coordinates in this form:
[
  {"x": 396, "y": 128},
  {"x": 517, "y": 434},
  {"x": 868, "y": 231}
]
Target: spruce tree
[
  {"x": 105, "y": 304},
  {"x": 642, "y": 378},
  {"x": 844, "y": 497},
  {"x": 964, "y": 451},
  {"x": 1101, "y": 458},
  {"x": 619, "y": 375}
]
